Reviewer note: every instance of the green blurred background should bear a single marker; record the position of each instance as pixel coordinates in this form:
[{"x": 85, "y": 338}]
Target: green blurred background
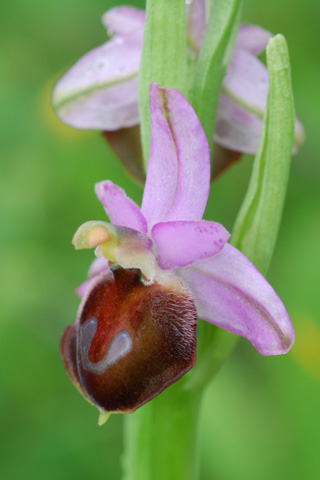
[{"x": 260, "y": 417}]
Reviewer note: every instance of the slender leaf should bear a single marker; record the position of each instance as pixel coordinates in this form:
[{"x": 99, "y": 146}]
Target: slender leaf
[{"x": 256, "y": 228}]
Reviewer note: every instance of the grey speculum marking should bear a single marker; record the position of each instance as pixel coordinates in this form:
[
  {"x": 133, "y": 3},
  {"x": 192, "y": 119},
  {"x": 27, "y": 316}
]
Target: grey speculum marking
[{"x": 120, "y": 345}]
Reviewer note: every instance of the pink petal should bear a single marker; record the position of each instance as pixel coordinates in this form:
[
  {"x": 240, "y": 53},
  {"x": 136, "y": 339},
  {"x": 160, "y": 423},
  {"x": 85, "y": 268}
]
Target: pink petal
[
  {"x": 178, "y": 175},
  {"x": 100, "y": 90},
  {"x": 81, "y": 289},
  {"x": 196, "y": 23},
  {"x": 252, "y": 38},
  {"x": 299, "y": 135},
  {"x": 236, "y": 129},
  {"x": 247, "y": 79},
  {"x": 121, "y": 210},
  {"x": 124, "y": 20},
  {"x": 182, "y": 243},
  {"x": 242, "y": 104},
  {"x": 245, "y": 87},
  {"x": 98, "y": 266},
  {"x": 232, "y": 294}
]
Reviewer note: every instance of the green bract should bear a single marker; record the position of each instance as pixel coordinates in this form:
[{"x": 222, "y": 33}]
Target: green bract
[{"x": 256, "y": 228}]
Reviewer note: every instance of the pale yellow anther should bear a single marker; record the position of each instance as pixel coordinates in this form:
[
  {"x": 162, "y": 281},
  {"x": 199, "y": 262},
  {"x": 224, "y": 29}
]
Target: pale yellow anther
[
  {"x": 93, "y": 233},
  {"x": 97, "y": 236}
]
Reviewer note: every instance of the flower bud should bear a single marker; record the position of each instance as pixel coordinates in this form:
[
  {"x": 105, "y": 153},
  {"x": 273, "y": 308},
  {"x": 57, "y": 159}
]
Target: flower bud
[{"x": 130, "y": 340}]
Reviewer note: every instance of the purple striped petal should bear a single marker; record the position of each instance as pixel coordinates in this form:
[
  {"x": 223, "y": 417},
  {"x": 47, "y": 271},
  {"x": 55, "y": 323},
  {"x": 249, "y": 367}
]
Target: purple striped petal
[
  {"x": 100, "y": 91},
  {"x": 232, "y": 294},
  {"x": 245, "y": 88},
  {"x": 247, "y": 79},
  {"x": 178, "y": 175},
  {"x": 236, "y": 128},
  {"x": 124, "y": 20},
  {"x": 242, "y": 104},
  {"x": 252, "y": 38},
  {"x": 121, "y": 210},
  {"x": 182, "y": 243}
]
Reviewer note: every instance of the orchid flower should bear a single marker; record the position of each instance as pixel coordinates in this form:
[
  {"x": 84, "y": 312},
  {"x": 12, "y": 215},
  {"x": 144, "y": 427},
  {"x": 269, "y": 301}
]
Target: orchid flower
[
  {"x": 158, "y": 269},
  {"x": 101, "y": 90}
]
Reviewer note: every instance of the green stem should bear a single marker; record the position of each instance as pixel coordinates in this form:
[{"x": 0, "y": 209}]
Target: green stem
[
  {"x": 217, "y": 46},
  {"x": 161, "y": 437},
  {"x": 164, "y": 57},
  {"x": 214, "y": 346}
]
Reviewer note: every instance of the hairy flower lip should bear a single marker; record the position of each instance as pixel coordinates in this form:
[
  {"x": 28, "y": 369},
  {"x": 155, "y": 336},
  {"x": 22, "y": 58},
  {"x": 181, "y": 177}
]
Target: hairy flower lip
[{"x": 161, "y": 327}]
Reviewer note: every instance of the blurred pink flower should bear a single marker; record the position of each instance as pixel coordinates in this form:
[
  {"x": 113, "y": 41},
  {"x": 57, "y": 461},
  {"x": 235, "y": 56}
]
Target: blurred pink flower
[{"x": 101, "y": 90}]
